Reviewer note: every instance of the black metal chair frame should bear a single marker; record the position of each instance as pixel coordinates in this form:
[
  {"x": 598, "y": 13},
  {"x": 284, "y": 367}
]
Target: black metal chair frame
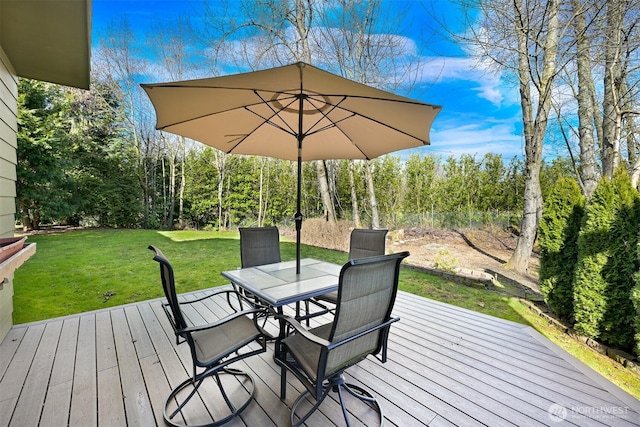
[
  {"x": 220, "y": 364},
  {"x": 317, "y": 384}
]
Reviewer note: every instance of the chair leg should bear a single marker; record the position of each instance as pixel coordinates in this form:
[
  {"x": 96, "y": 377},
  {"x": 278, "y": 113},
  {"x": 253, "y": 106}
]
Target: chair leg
[
  {"x": 361, "y": 394},
  {"x": 311, "y": 411},
  {"x": 283, "y": 383},
  {"x": 338, "y": 385},
  {"x": 172, "y": 419},
  {"x": 308, "y": 311}
]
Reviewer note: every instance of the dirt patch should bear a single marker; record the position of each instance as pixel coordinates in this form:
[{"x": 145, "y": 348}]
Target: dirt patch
[{"x": 476, "y": 250}]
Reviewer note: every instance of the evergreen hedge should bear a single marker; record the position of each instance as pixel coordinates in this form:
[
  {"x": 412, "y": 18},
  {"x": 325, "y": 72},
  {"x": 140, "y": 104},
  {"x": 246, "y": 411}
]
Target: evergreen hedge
[
  {"x": 607, "y": 262},
  {"x": 635, "y": 298},
  {"x": 558, "y": 237}
]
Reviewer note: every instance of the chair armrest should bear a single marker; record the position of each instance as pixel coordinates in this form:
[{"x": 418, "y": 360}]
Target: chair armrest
[
  {"x": 386, "y": 324},
  {"x": 222, "y": 321},
  {"x": 242, "y": 299},
  {"x": 302, "y": 331}
]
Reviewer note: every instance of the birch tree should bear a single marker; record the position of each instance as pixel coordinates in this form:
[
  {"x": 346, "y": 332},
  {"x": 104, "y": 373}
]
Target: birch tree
[
  {"x": 353, "y": 38},
  {"x": 602, "y": 71},
  {"x": 589, "y": 174},
  {"x": 118, "y": 61},
  {"x": 521, "y": 38},
  {"x": 170, "y": 48},
  {"x": 265, "y": 34},
  {"x": 358, "y": 41}
]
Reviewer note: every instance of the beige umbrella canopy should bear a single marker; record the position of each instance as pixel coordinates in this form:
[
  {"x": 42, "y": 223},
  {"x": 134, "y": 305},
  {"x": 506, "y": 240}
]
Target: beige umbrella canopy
[{"x": 295, "y": 112}]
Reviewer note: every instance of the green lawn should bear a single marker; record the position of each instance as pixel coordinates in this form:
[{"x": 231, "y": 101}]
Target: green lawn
[{"x": 80, "y": 271}]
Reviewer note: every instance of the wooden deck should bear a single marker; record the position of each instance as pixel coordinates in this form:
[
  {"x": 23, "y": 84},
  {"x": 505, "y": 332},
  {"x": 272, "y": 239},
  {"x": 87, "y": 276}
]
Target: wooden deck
[{"x": 447, "y": 366}]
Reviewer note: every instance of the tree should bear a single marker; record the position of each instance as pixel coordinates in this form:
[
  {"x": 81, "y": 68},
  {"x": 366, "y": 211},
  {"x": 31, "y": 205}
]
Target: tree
[
  {"x": 119, "y": 62},
  {"x": 169, "y": 45},
  {"x": 353, "y": 38},
  {"x": 202, "y": 204},
  {"x": 267, "y": 34},
  {"x": 363, "y": 46},
  {"x": 585, "y": 96},
  {"x": 420, "y": 177},
  {"x": 635, "y": 298},
  {"x": 521, "y": 38},
  {"x": 43, "y": 184},
  {"x": 106, "y": 190},
  {"x": 601, "y": 70}
]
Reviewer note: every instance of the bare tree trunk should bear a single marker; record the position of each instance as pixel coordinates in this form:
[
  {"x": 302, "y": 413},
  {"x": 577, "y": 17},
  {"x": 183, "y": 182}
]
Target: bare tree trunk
[
  {"x": 633, "y": 146},
  {"x": 354, "y": 196},
  {"x": 613, "y": 81},
  {"x": 221, "y": 161},
  {"x": 589, "y": 174},
  {"x": 172, "y": 190},
  {"x": 330, "y": 213},
  {"x": 533, "y": 130},
  {"x": 375, "y": 217},
  {"x": 183, "y": 184}
]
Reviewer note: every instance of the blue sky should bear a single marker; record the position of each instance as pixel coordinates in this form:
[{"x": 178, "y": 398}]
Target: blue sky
[{"x": 481, "y": 111}]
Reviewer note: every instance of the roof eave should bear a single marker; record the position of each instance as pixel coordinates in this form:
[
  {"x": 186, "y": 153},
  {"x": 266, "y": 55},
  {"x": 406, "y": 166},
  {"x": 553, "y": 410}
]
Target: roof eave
[{"x": 48, "y": 40}]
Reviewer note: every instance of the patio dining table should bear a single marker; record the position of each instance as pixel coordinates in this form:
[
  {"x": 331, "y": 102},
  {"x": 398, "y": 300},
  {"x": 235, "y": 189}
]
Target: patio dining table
[{"x": 278, "y": 284}]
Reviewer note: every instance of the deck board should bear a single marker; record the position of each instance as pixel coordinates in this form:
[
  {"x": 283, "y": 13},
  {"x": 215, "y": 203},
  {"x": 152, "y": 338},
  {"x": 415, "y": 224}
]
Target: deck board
[
  {"x": 83, "y": 404},
  {"x": 447, "y": 366}
]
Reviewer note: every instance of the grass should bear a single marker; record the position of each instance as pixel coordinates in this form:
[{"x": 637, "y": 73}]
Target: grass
[
  {"x": 86, "y": 270},
  {"x": 80, "y": 271}
]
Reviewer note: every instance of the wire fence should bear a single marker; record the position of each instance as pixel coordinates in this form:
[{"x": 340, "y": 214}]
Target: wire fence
[{"x": 459, "y": 219}]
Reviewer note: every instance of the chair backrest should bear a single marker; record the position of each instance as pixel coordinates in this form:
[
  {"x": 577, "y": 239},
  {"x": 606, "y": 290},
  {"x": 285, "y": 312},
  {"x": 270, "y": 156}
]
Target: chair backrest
[
  {"x": 366, "y": 243},
  {"x": 169, "y": 287},
  {"x": 259, "y": 246},
  {"x": 366, "y": 294}
]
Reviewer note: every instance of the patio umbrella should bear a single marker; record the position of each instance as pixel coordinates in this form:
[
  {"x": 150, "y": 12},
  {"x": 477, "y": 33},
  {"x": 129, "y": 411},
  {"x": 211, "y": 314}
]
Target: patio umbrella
[{"x": 295, "y": 112}]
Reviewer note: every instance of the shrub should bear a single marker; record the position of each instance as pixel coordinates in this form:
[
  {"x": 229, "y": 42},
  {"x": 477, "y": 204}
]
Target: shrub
[
  {"x": 607, "y": 261},
  {"x": 635, "y": 299},
  {"x": 445, "y": 261},
  {"x": 558, "y": 237}
]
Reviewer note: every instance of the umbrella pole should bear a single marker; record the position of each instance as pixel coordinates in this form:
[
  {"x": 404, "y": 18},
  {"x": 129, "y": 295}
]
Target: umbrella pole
[
  {"x": 298, "y": 213},
  {"x": 298, "y": 216}
]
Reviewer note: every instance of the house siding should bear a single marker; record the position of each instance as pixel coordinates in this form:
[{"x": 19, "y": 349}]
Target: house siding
[{"x": 8, "y": 161}]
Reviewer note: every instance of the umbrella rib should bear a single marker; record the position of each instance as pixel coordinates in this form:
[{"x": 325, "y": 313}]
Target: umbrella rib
[
  {"x": 269, "y": 122},
  {"x": 353, "y": 113},
  {"x": 191, "y": 119},
  {"x": 275, "y": 113}
]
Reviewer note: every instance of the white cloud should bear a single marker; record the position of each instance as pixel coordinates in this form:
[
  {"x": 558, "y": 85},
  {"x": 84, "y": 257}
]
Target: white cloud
[
  {"x": 495, "y": 136},
  {"x": 485, "y": 81}
]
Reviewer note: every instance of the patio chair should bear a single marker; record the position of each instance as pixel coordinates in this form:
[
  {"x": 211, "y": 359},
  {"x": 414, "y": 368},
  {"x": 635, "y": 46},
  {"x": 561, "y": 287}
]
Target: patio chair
[
  {"x": 363, "y": 243},
  {"x": 318, "y": 357},
  {"x": 214, "y": 346},
  {"x": 259, "y": 246}
]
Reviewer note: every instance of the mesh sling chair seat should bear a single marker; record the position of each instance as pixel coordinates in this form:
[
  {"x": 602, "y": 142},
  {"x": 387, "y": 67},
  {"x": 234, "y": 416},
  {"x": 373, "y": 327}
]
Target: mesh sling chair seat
[
  {"x": 318, "y": 357},
  {"x": 214, "y": 346},
  {"x": 363, "y": 243}
]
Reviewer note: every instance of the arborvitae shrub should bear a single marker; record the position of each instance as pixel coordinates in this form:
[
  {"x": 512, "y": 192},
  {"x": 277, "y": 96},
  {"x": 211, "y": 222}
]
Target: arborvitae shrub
[
  {"x": 607, "y": 261},
  {"x": 558, "y": 237},
  {"x": 635, "y": 298}
]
